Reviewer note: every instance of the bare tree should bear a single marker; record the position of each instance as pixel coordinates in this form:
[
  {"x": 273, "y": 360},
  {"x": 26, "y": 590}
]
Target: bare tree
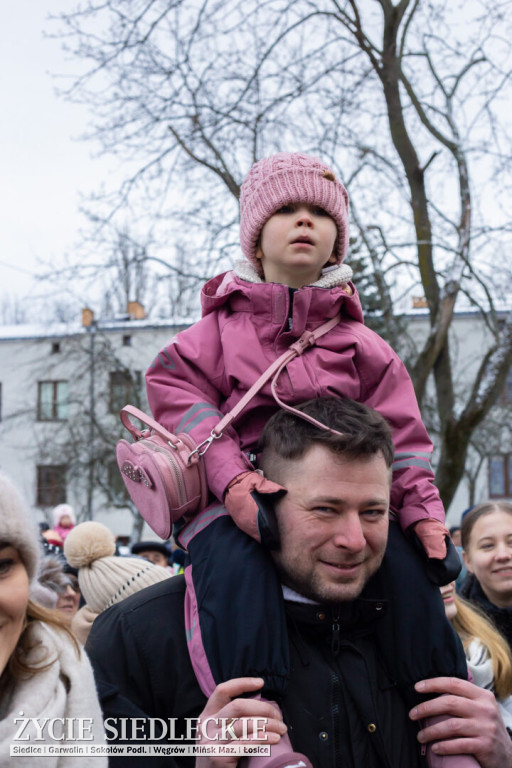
[{"x": 406, "y": 100}]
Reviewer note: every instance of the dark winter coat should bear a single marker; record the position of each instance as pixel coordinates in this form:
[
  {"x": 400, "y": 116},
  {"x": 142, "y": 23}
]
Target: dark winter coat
[
  {"x": 342, "y": 706},
  {"x": 501, "y": 617}
]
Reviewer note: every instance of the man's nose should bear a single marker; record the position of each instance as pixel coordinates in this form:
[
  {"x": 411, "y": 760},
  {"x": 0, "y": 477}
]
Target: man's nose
[{"x": 349, "y": 534}]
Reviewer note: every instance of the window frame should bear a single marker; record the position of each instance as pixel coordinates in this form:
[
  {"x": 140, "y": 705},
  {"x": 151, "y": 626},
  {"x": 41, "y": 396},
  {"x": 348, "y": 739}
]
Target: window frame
[
  {"x": 506, "y": 475},
  {"x": 120, "y": 393},
  {"x": 52, "y": 490},
  {"x": 56, "y": 403}
]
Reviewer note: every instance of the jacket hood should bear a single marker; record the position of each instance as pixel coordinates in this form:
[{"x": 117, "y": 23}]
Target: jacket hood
[{"x": 243, "y": 284}]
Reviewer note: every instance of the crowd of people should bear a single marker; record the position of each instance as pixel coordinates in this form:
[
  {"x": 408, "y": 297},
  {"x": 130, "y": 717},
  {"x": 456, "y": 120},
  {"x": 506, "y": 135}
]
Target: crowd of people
[{"x": 316, "y": 589}]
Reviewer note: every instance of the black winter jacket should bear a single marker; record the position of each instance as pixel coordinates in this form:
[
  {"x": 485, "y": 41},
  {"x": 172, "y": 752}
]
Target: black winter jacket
[
  {"x": 342, "y": 707},
  {"x": 501, "y": 617}
]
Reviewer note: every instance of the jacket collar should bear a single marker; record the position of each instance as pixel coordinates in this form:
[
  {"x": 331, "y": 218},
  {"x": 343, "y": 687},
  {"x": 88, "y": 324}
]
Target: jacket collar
[
  {"x": 269, "y": 302},
  {"x": 331, "y": 277}
]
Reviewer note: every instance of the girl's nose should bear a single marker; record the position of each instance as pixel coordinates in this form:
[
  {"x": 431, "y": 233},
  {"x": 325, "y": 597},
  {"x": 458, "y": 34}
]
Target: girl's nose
[{"x": 304, "y": 218}]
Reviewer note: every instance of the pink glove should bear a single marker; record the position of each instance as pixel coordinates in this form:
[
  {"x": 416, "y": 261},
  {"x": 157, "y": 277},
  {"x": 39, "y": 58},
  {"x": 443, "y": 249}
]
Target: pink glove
[
  {"x": 431, "y": 533},
  {"x": 240, "y": 504}
]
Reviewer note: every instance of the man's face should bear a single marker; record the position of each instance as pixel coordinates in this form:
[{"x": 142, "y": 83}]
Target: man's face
[{"x": 333, "y": 523}]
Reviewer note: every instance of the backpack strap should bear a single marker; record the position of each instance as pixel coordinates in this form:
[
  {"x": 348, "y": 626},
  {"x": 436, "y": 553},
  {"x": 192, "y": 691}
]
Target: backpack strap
[{"x": 307, "y": 340}]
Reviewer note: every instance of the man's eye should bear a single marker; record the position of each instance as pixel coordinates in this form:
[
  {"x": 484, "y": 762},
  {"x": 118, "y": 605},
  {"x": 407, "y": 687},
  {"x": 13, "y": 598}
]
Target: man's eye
[{"x": 374, "y": 512}]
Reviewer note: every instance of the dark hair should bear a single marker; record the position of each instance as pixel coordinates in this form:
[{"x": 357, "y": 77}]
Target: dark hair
[
  {"x": 470, "y": 517},
  {"x": 364, "y": 431}
]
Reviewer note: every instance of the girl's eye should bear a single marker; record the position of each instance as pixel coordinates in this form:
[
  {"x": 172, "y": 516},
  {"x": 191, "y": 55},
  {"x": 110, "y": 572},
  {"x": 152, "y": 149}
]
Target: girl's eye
[
  {"x": 320, "y": 211},
  {"x": 285, "y": 209}
]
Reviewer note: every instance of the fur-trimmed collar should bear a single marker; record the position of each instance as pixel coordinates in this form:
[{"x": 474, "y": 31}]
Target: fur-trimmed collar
[{"x": 331, "y": 276}]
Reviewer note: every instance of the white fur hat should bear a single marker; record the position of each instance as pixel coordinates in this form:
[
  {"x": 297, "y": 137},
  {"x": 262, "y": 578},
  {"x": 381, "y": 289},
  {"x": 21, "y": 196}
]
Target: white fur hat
[
  {"x": 63, "y": 509},
  {"x": 106, "y": 579},
  {"x": 17, "y": 527}
]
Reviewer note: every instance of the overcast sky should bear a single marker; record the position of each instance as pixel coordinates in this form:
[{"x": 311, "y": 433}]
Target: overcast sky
[{"x": 44, "y": 167}]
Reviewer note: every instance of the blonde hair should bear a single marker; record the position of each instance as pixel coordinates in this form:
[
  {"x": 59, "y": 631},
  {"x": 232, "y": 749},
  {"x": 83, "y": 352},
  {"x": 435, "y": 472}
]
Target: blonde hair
[
  {"x": 18, "y": 666},
  {"x": 471, "y": 623}
]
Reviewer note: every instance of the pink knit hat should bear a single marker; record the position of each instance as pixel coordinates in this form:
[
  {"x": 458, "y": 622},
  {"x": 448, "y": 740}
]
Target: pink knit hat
[{"x": 289, "y": 178}]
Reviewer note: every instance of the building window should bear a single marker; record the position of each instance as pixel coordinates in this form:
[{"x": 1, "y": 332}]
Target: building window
[
  {"x": 124, "y": 387},
  {"x": 500, "y": 476},
  {"x": 55, "y": 347},
  {"x": 0, "y": 401},
  {"x": 51, "y": 485},
  {"x": 52, "y": 400},
  {"x": 506, "y": 395},
  {"x": 127, "y": 341}
]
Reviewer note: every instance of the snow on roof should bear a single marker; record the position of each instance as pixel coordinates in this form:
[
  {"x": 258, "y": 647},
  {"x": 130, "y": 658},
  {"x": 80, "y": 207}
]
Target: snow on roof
[{"x": 63, "y": 330}]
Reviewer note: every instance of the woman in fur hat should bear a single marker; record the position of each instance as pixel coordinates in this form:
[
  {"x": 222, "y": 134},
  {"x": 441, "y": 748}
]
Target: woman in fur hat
[{"x": 43, "y": 672}]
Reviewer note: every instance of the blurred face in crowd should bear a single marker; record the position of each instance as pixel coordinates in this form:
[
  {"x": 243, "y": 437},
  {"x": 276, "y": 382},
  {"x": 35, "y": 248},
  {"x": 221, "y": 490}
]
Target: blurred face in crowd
[
  {"x": 488, "y": 556},
  {"x": 14, "y": 587},
  {"x": 157, "y": 558},
  {"x": 69, "y": 599},
  {"x": 448, "y": 595},
  {"x": 65, "y": 521}
]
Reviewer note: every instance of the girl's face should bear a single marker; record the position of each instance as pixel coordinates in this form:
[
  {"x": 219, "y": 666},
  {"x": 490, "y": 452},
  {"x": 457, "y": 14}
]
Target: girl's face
[
  {"x": 448, "y": 595},
  {"x": 14, "y": 588},
  {"x": 296, "y": 242},
  {"x": 65, "y": 521},
  {"x": 489, "y": 556}
]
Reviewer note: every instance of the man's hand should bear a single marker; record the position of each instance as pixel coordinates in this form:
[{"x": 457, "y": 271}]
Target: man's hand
[
  {"x": 229, "y": 714},
  {"x": 474, "y": 726}
]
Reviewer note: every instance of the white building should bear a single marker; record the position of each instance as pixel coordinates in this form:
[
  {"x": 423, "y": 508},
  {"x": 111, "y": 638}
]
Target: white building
[{"x": 52, "y": 378}]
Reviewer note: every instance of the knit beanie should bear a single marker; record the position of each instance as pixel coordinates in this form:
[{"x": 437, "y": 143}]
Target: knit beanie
[
  {"x": 17, "y": 527},
  {"x": 106, "y": 579},
  {"x": 289, "y": 178},
  {"x": 63, "y": 509}
]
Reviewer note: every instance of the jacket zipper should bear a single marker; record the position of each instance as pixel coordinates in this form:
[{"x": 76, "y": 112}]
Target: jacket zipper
[
  {"x": 176, "y": 471},
  {"x": 335, "y": 641}
]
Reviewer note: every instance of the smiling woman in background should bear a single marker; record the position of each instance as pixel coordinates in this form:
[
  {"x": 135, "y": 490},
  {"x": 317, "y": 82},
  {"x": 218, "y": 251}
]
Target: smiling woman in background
[
  {"x": 486, "y": 533},
  {"x": 43, "y": 673}
]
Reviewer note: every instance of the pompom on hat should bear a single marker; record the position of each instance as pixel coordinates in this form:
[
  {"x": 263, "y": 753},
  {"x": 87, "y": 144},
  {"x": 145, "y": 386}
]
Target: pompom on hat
[
  {"x": 17, "y": 528},
  {"x": 106, "y": 579},
  {"x": 290, "y": 178}
]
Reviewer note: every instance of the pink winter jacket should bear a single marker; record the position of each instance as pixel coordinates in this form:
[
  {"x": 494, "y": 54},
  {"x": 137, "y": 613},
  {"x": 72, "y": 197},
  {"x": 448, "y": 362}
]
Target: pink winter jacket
[{"x": 206, "y": 369}]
